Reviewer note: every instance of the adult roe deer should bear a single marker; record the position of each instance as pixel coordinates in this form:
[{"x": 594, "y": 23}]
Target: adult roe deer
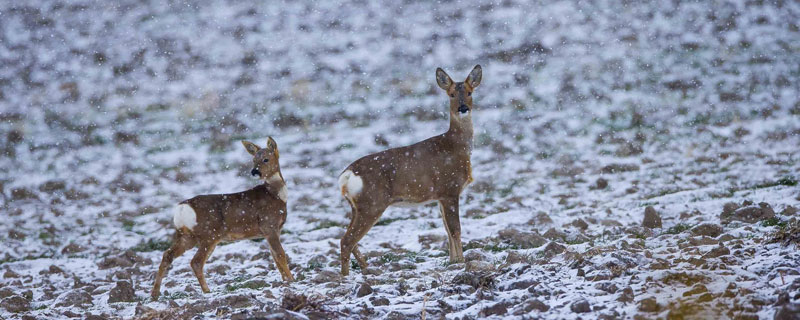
[
  {"x": 207, "y": 220},
  {"x": 436, "y": 169}
]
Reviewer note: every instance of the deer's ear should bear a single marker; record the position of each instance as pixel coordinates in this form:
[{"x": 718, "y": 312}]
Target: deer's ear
[
  {"x": 272, "y": 145},
  {"x": 474, "y": 77},
  {"x": 442, "y": 79},
  {"x": 251, "y": 148}
]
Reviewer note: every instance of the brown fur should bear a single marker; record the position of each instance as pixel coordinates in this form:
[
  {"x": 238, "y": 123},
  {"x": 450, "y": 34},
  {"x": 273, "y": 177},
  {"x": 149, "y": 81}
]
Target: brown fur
[
  {"x": 435, "y": 169},
  {"x": 255, "y": 213}
]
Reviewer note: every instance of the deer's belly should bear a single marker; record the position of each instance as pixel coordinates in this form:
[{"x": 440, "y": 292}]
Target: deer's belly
[{"x": 411, "y": 203}]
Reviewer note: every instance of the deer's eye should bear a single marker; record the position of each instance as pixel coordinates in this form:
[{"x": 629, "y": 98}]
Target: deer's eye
[
  {"x": 266, "y": 160},
  {"x": 469, "y": 94},
  {"x": 452, "y": 95}
]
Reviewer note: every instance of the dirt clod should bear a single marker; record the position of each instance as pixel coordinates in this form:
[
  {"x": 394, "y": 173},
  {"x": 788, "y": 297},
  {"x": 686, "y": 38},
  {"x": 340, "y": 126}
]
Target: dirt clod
[{"x": 651, "y": 218}]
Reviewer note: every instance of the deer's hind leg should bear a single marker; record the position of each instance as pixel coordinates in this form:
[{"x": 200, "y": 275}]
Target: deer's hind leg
[
  {"x": 181, "y": 242},
  {"x": 199, "y": 261},
  {"x": 365, "y": 214}
]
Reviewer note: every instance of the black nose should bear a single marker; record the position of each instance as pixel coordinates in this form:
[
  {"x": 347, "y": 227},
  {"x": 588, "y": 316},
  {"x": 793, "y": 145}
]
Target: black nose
[
  {"x": 463, "y": 108},
  {"x": 255, "y": 172}
]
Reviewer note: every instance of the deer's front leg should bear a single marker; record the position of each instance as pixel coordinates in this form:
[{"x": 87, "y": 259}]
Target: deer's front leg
[
  {"x": 452, "y": 224},
  {"x": 279, "y": 256},
  {"x": 199, "y": 261}
]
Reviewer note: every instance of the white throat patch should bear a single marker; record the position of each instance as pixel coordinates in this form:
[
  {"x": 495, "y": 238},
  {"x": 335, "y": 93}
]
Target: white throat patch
[{"x": 276, "y": 178}]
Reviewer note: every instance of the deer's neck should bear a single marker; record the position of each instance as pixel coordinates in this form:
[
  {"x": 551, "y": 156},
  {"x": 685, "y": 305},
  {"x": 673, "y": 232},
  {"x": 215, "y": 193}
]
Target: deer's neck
[
  {"x": 276, "y": 186},
  {"x": 460, "y": 131}
]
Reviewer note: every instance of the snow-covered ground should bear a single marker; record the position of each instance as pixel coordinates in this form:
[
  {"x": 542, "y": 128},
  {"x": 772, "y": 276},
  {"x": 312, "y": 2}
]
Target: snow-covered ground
[{"x": 111, "y": 112}]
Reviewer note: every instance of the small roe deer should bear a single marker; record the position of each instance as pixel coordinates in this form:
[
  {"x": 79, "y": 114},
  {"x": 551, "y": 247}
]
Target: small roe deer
[
  {"x": 436, "y": 169},
  {"x": 208, "y": 219}
]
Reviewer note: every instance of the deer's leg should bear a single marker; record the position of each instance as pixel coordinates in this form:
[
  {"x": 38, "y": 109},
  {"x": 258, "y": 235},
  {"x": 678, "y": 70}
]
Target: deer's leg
[
  {"x": 180, "y": 243},
  {"x": 449, "y": 209},
  {"x": 199, "y": 261},
  {"x": 281, "y": 260},
  {"x": 364, "y": 217},
  {"x": 360, "y": 258}
]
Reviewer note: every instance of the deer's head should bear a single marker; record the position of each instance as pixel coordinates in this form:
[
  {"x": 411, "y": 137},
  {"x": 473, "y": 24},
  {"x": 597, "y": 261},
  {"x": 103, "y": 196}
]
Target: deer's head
[
  {"x": 460, "y": 93},
  {"x": 265, "y": 160}
]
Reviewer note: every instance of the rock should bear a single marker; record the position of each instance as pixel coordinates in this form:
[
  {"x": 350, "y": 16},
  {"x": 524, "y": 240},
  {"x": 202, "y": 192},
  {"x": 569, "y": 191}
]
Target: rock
[
  {"x": 697, "y": 289},
  {"x": 600, "y": 184},
  {"x": 707, "y": 229},
  {"x": 325, "y": 276},
  {"x": 75, "y": 298},
  {"x": 127, "y": 259},
  {"x": 16, "y": 304},
  {"x": 580, "y": 306},
  {"x": 534, "y": 304},
  {"x": 552, "y": 249},
  {"x": 788, "y": 312},
  {"x": 479, "y": 266},
  {"x": 475, "y": 280},
  {"x": 364, "y": 290},
  {"x": 553, "y": 234},
  {"x": 16, "y": 235},
  {"x": 649, "y": 305},
  {"x": 580, "y": 224},
  {"x": 515, "y": 257},
  {"x": 72, "y": 248},
  {"x": 475, "y": 255},
  {"x": 717, "y": 252},
  {"x": 626, "y": 295},
  {"x": 497, "y": 309},
  {"x": 318, "y": 260},
  {"x": 521, "y": 239},
  {"x": 619, "y": 167},
  {"x": 10, "y": 274},
  {"x": 541, "y": 218},
  {"x": 651, "y": 218},
  {"x": 522, "y": 284},
  {"x": 609, "y": 287},
  {"x": 235, "y": 301},
  {"x": 747, "y": 214},
  {"x": 293, "y": 301},
  {"x": 122, "y": 292},
  {"x": 789, "y": 211},
  {"x": 379, "y": 301}
]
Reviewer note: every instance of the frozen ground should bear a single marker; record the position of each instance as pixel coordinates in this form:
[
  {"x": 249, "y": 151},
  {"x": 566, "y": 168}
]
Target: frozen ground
[{"x": 112, "y": 112}]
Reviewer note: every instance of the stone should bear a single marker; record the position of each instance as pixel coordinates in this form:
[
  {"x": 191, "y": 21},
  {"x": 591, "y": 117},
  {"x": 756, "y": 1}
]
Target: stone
[
  {"x": 601, "y": 184},
  {"x": 651, "y": 218},
  {"x": 364, "y": 290},
  {"x": 534, "y": 304},
  {"x": 649, "y": 305},
  {"x": 379, "y": 301},
  {"x": 122, "y": 292},
  {"x": 552, "y": 249},
  {"x": 497, "y": 309},
  {"x": 580, "y": 306},
  {"x": 748, "y": 214},
  {"x": 16, "y": 304},
  {"x": 707, "y": 229},
  {"x": 515, "y": 257},
  {"x": 325, "y": 276},
  {"x": 717, "y": 252},
  {"x": 75, "y": 298},
  {"x": 523, "y": 240},
  {"x": 626, "y": 295},
  {"x": 479, "y": 266},
  {"x": 553, "y": 234},
  {"x": 580, "y": 224}
]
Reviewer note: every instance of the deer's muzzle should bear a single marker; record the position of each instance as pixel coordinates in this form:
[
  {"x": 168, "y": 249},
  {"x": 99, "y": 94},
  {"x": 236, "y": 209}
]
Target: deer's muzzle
[
  {"x": 463, "y": 108},
  {"x": 255, "y": 172}
]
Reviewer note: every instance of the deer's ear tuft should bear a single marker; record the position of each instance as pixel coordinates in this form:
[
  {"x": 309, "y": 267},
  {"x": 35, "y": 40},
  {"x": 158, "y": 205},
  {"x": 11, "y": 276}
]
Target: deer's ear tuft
[
  {"x": 442, "y": 79},
  {"x": 272, "y": 145},
  {"x": 251, "y": 148},
  {"x": 474, "y": 78}
]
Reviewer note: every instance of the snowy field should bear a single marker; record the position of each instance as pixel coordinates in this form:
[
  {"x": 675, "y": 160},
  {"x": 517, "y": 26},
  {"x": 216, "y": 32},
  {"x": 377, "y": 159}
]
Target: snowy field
[{"x": 588, "y": 115}]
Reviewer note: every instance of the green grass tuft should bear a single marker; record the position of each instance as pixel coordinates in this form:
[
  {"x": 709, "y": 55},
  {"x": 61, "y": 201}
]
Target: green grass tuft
[{"x": 152, "y": 245}]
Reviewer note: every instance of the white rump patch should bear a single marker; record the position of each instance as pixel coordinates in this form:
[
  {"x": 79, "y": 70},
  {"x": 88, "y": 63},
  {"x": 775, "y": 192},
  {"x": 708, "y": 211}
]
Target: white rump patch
[
  {"x": 184, "y": 217},
  {"x": 350, "y": 183}
]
